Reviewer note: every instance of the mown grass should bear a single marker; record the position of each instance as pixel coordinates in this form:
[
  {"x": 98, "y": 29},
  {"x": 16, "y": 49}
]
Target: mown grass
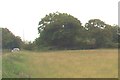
[{"x": 102, "y": 63}]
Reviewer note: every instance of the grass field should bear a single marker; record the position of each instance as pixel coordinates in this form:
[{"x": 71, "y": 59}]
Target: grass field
[{"x": 101, "y": 63}]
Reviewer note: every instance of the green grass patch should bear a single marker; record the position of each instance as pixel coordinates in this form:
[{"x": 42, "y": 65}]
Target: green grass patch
[{"x": 14, "y": 65}]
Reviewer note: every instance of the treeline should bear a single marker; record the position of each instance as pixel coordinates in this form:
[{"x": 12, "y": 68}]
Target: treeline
[{"x": 64, "y": 31}]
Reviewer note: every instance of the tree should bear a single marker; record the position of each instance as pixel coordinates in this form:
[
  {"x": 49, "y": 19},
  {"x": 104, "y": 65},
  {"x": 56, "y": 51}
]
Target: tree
[
  {"x": 95, "y": 23},
  {"x": 59, "y": 29},
  {"x": 9, "y": 40},
  {"x": 113, "y": 35},
  {"x": 115, "y": 30},
  {"x": 99, "y": 32}
]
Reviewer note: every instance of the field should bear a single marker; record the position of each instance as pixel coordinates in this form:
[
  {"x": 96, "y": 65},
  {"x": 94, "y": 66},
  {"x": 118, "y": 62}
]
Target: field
[{"x": 100, "y": 63}]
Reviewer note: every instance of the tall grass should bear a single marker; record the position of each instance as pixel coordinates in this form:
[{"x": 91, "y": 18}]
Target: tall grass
[
  {"x": 101, "y": 63},
  {"x": 14, "y": 66}
]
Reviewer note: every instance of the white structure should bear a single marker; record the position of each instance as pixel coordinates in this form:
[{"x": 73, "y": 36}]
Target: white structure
[{"x": 15, "y": 50}]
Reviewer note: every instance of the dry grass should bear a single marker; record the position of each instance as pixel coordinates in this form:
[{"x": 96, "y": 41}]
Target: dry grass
[
  {"x": 74, "y": 63},
  {"x": 102, "y": 63}
]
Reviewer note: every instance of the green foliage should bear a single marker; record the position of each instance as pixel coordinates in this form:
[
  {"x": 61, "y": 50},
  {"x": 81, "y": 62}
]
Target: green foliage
[
  {"x": 29, "y": 46},
  {"x": 103, "y": 34},
  {"x": 9, "y": 40},
  {"x": 64, "y": 31},
  {"x": 59, "y": 29}
]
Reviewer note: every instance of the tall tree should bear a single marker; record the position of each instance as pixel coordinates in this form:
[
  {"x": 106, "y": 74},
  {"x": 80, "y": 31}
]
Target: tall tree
[
  {"x": 99, "y": 32},
  {"x": 59, "y": 29}
]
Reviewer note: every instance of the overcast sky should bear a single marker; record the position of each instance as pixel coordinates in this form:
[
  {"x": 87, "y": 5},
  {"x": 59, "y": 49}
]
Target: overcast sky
[{"x": 22, "y": 16}]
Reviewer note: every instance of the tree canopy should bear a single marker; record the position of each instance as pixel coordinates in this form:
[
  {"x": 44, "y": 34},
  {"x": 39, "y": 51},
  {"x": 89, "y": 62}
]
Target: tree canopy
[
  {"x": 9, "y": 40},
  {"x": 59, "y": 29},
  {"x": 64, "y": 30}
]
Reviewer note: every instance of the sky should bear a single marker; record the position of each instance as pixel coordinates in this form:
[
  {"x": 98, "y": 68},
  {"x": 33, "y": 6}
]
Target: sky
[{"x": 21, "y": 17}]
